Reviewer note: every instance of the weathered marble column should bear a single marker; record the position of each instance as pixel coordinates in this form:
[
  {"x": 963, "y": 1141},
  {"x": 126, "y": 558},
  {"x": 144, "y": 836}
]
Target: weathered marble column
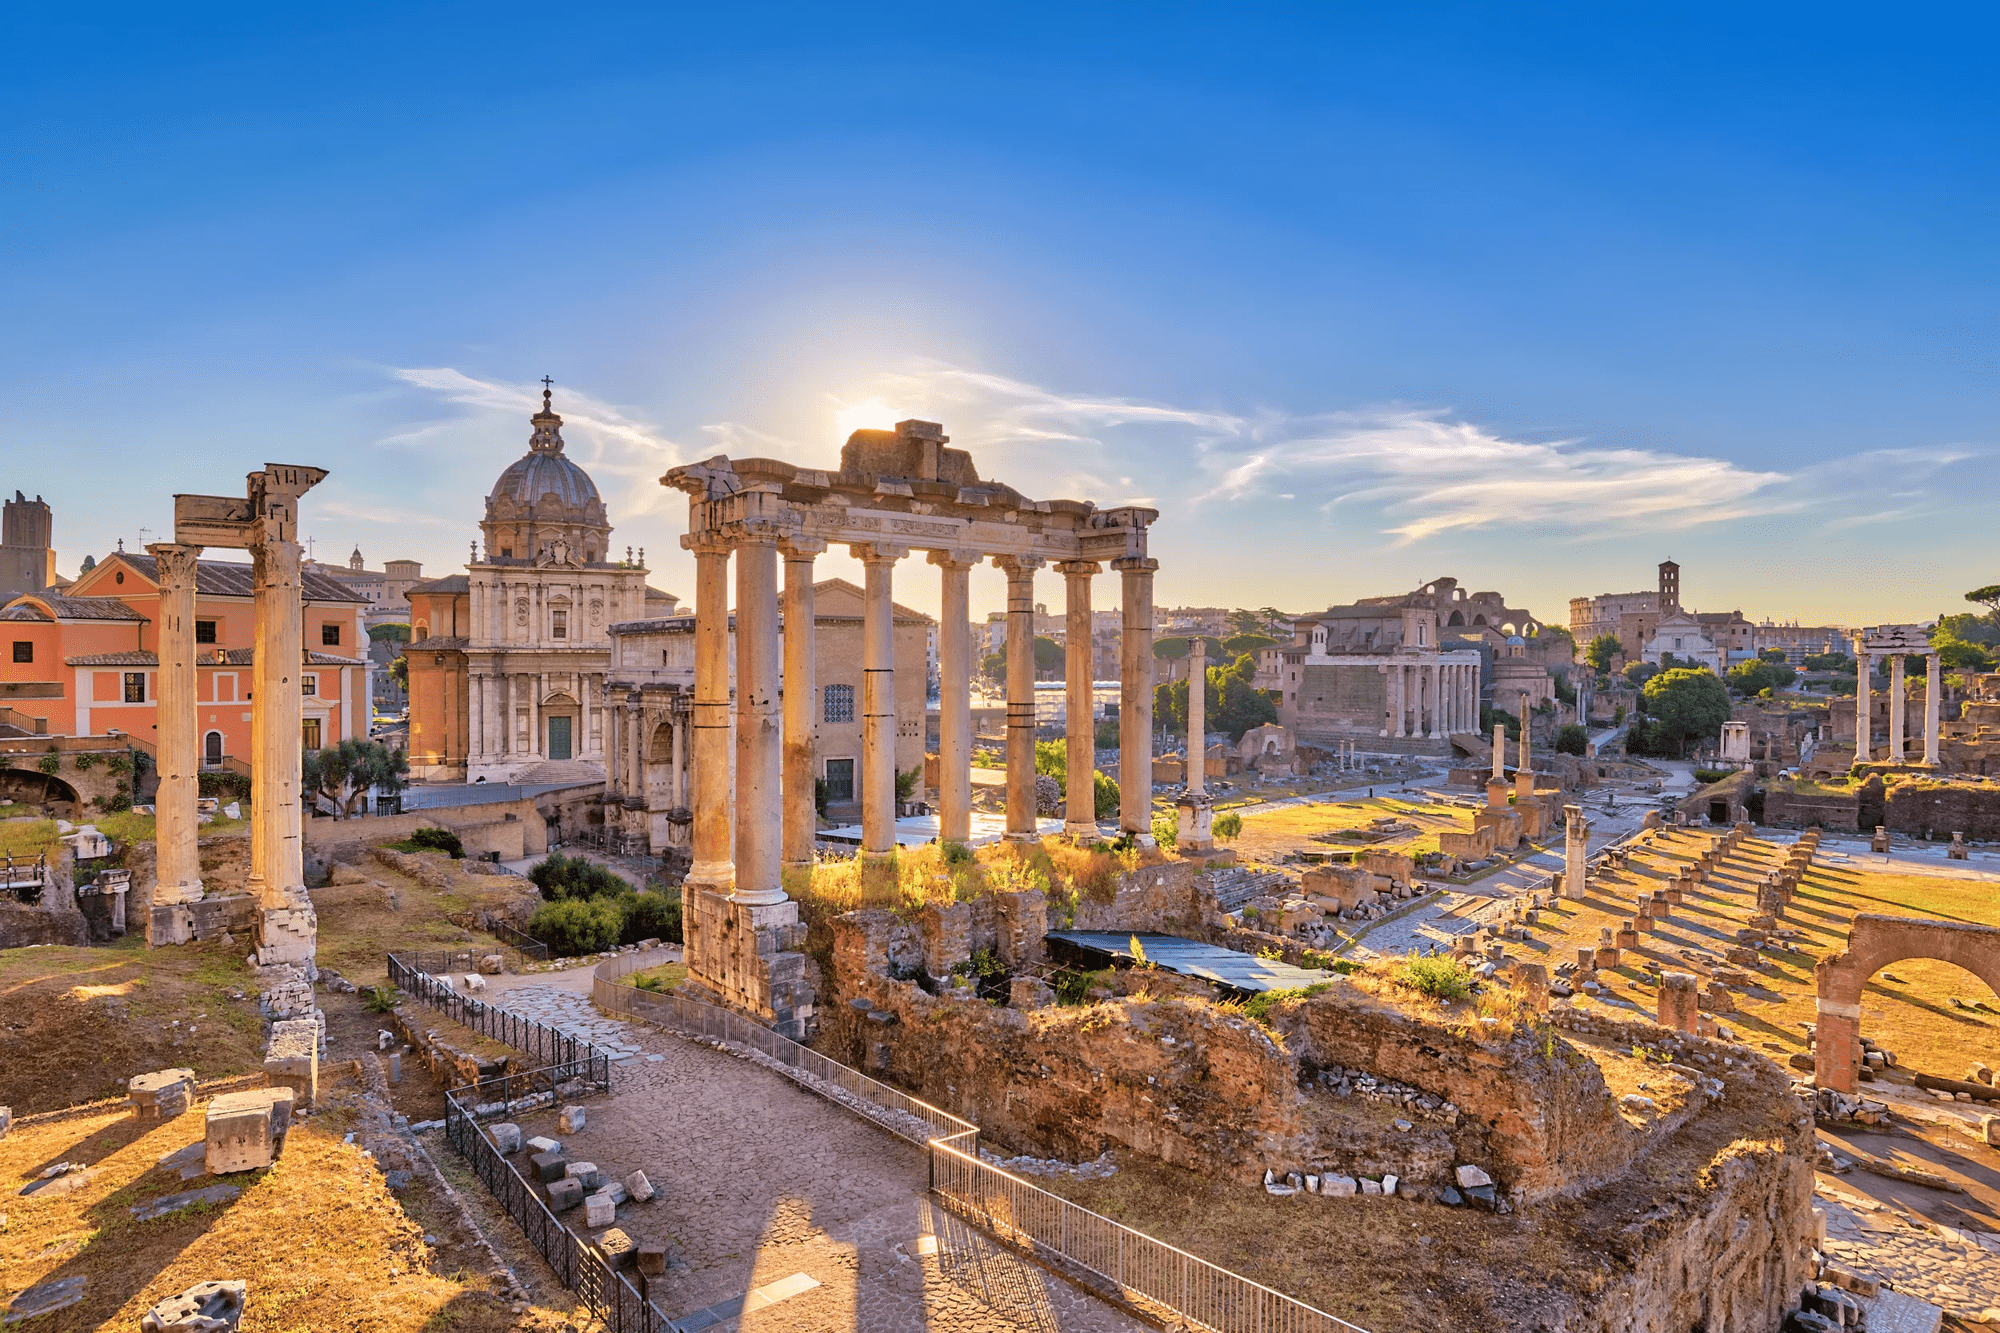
[
  {"x": 710, "y": 836},
  {"x": 801, "y": 817},
  {"x": 633, "y": 754},
  {"x": 955, "y": 695},
  {"x": 1898, "y": 702},
  {"x": 288, "y": 928},
  {"x": 1079, "y": 728},
  {"x": 179, "y": 759},
  {"x": 878, "y": 699},
  {"x": 1396, "y": 697},
  {"x": 1575, "y": 852},
  {"x": 1135, "y": 699},
  {"x": 1499, "y": 752},
  {"x": 759, "y": 738},
  {"x": 1427, "y": 706},
  {"x": 1020, "y": 571},
  {"x": 614, "y": 759},
  {"x": 1197, "y": 716},
  {"x": 680, "y": 721},
  {"x": 1864, "y": 724},
  {"x": 1933, "y": 692}
]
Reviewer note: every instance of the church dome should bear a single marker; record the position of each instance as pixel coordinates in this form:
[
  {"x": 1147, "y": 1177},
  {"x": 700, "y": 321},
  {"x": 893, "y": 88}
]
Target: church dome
[
  {"x": 531, "y": 478},
  {"x": 545, "y": 505}
]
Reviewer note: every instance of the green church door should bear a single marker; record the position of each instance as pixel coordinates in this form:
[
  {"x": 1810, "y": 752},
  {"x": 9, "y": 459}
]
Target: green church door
[{"x": 559, "y": 737}]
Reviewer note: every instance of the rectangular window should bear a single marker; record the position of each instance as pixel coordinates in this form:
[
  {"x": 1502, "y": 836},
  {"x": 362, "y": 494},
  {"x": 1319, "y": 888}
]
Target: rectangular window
[
  {"x": 24, "y": 650},
  {"x": 558, "y": 624},
  {"x": 837, "y": 705},
  {"x": 204, "y": 631},
  {"x": 135, "y": 687},
  {"x": 309, "y": 684},
  {"x": 309, "y": 733},
  {"x": 329, "y": 636},
  {"x": 840, "y": 779}
]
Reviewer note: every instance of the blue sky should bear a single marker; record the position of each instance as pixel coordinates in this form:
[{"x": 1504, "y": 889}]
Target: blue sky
[{"x": 1358, "y": 296}]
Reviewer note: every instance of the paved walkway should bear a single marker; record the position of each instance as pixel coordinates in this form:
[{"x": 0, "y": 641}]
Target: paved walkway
[{"x": 767, "y": 1188}]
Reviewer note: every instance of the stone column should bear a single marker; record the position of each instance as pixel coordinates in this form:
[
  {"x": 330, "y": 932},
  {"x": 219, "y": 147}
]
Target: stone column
[
  {"x": 1499, "y": 752},
  {"x": 1524, "y": 771},
  {"x": 680, "y": 787},
  {"x": 1933, "y": 700},
  {"x": 1135, "y": 699},
  {"x": 614, "y": 758},
  {"x": 1863, "y": 710},
  {"x": 1197, "y": 712},
  {"x": 288, "y": 927},
  {"x": 955, "y": 696},
  {"x": 1836, "y": 1042},
  {"x": 1427, "y": 690},
  {"x": 801, "y": 816},
  {"x": 179, "y": 756},
  {"x": 632, "y": 756},
  {"x": 1079, "y": 728},
  {"x": 1020, "y": 571},
  {"x": 1576, "y": 845},
  {"x": 710, "y": 836},
  {"x": 759, "y": 739},
  {"x": 878, "y": 700},
  {"x": 1897, "y": 703},
  {"x": 1680, "y": 1002},
  {"x": 1396, "y": 697}
]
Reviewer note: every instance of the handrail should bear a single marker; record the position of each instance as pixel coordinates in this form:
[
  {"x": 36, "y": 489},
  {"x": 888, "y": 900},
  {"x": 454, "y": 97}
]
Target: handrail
[{"x": 1107, "y": 1257}]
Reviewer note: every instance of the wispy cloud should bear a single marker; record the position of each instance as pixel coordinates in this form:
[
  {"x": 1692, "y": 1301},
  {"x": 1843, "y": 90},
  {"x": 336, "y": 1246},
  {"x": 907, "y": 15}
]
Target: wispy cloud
[
  {"x": 624, "y": 456},
  {"x": 1411, "y": 473}
]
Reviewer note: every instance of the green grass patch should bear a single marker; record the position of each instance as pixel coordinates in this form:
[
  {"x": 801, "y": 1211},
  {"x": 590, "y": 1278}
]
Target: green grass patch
[{"x": 1439, "y": 978}]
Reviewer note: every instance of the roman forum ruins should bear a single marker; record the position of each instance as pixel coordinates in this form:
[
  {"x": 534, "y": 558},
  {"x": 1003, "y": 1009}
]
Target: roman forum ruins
[
  {"x": 895, "y": 492},
  {"x": 1895, "y": 642}
]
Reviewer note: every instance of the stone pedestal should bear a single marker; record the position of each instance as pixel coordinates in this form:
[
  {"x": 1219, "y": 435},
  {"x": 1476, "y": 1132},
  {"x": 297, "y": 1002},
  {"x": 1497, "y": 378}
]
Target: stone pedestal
[
  {"x": 1196, "y": 814},
  {"x": 1680, "y": 1007},
  {"x": 160, "y": 1095},
  {"x": 246, "y": 1130},
  {"x": 746, "y": 954},
  {"x": 292, "y": 1059}
]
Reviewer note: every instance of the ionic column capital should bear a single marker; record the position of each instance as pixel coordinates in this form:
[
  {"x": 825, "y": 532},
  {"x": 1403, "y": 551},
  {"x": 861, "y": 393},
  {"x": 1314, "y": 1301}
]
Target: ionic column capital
[
  {"x": 877, "y": 553},
  {"x": 708, "y": 542},
  {"x": 1018, "y": 566}
]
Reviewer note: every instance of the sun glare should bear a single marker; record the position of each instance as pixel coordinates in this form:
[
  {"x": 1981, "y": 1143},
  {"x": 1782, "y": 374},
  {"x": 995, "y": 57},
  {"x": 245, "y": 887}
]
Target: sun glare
[{"x": 867, "y": 414}]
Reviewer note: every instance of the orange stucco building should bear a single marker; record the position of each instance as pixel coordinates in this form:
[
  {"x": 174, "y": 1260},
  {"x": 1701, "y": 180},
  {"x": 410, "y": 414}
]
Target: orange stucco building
[{"x": 84, "y": 662}]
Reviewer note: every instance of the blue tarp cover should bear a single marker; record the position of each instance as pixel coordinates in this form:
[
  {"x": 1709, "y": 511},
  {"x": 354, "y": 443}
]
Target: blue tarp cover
[{"x": 1210, "y": 962}]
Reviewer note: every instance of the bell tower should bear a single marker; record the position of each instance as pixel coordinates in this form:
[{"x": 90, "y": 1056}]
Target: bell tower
[{"x": 1670, "y": 587}]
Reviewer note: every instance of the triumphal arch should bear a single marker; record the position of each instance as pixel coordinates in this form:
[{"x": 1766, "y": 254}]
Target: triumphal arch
[{"x": 896, "y": 492}]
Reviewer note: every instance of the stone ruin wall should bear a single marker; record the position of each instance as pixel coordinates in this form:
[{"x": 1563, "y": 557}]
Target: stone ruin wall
[
  {"x": 1193, "y": 1084},
  {"x": 1917, "y": 809}
]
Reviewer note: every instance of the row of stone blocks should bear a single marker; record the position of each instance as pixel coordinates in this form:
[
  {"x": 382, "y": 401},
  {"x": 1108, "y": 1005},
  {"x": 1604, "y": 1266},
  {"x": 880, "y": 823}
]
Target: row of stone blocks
[{"x": 570, "y": 1183}]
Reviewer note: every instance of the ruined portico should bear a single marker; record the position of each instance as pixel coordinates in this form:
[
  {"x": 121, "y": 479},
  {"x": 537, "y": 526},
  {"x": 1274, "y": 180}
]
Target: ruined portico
[
  {"x": 1895, "y": 642},
  {"x": 264, "y": 522},
  {"x": 895, "y": 493}
]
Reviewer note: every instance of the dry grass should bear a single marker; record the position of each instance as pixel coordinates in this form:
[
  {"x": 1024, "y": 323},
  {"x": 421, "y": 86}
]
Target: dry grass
[
  {"x": 1386, "y": 1265},
  {"x": 1269, "y": 835},
  {"x": 319, "y": 1239},
  {"x": 1907, "y": 1006}
]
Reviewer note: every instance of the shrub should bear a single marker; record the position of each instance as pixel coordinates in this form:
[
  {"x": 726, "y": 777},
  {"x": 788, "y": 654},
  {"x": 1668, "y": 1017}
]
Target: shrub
[
  {"x": 1439, "y": 978},
  {"x": 437, "y": 840},
  {"x": 563, "y": 877},
  {"x": 1104, "y": 795},
  {"x": 1707, "y": 775},
  {"x": 1227, "y": 827},
  {"x": 958, "y": 854},
  {"x": 1166, "y": 830},
  {"x": 50, "y": 763},
  {"x": 381, "y": 1000},
  {"x": 1572, "y": 739},
  {"x": 650, "y": 916},
  {"x": 1258, "y": 1007},
  {"x": 574, "y": 926}
]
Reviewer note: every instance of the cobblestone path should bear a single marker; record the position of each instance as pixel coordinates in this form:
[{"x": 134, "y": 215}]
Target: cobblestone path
[{"x": 761, "y": 1181}]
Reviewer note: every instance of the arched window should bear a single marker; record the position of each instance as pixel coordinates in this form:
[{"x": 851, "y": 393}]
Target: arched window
[
  {"x": 211, "y": 749},
  {"x": 1457, "y": 618}
]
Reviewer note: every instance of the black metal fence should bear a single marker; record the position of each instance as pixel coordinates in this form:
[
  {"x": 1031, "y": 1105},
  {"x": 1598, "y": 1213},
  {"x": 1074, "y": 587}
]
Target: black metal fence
[
  {"x": 521, "y": 942},
  {"x": 623, "y": 1307},
  {"x": 421, "y": 976}
]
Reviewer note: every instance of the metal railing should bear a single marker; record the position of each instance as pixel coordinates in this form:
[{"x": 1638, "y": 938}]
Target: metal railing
[
  {"x": 521, "y": 942},
  {"x": 1106, "y": 1257},
  {"x": 24, "y": 878},
  {"x": 420, "y": 976},
  {"x": 577, "y": 1265}
]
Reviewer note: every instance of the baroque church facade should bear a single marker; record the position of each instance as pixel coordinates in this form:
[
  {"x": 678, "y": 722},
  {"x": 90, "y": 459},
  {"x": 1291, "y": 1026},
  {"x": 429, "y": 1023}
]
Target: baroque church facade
[{"x": 507, "y": 661}]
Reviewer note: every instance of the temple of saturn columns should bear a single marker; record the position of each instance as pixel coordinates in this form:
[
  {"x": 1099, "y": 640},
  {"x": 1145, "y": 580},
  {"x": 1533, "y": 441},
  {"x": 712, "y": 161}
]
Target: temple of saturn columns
[
  {"x": 265, "y": 523},
  {"x": 1897, "y": 642},
  {"x": 896, "y": 492}
]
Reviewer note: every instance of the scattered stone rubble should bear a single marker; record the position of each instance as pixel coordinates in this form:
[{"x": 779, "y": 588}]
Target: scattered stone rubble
[
  {"x": 1342, "y": 1082},
  {"x": 206, "y": 1307}
]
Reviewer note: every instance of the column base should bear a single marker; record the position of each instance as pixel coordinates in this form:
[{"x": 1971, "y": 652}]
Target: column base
[
  {"x": 1196, "y": 815},
  {"x": 169, "y": 924},
  {"x": 746, "y": 953},
  {"x": 287, "y": 935},
  {"x": 710, "y": 877},
  {"x": 1082, "y": 832}
]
